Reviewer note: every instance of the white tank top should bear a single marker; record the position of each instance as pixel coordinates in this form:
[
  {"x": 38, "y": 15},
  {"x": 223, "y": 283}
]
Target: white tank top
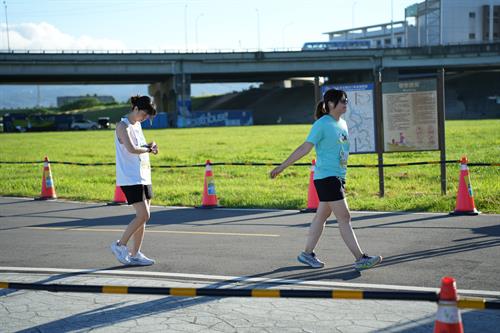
[{"x": 132, "y": 169}]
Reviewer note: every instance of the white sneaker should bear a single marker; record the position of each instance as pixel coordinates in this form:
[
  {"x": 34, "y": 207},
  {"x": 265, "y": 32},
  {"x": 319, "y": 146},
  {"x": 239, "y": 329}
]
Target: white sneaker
[
  {"x": 310, "y": 259},
  {"x": 141, "y": 260},
  {"x": 121, "y": 253}
]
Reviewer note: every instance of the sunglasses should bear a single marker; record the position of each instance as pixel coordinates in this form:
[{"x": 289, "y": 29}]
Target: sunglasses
[{"x": 344, "y": 101}]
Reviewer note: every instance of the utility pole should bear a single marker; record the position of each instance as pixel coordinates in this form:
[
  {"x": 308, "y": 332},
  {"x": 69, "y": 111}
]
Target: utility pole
[{"x": 7, "y": 24}]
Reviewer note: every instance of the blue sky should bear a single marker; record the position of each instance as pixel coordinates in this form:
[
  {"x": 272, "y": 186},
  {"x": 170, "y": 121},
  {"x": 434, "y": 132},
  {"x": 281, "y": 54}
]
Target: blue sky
[
  {"x": 174, "y": 25},
  {"x": 181, "y": 24}
]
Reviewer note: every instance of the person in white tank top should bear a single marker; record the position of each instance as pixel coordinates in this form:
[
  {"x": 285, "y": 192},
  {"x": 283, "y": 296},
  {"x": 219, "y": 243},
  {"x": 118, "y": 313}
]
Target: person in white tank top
[{"x": 133, "y": 175}]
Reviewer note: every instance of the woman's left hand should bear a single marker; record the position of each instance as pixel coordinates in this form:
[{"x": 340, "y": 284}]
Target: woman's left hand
[
  {"x": 154, "y": 147},
  {"x": 276, "y": 171}
]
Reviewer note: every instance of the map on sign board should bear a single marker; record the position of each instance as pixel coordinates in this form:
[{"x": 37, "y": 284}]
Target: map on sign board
[{"x": 359, "y": 117}]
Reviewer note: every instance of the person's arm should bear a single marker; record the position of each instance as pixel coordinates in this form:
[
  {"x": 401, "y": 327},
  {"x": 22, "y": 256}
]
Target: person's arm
[
  {"x": 124, "y": 138},
  {"x": 300, "y": 152}
]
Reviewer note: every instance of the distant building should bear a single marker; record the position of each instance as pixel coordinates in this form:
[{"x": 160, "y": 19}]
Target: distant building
[
  {"x": 63, "y": 100},
  {"x": 433, "y": 22},
  {"x": 393, "y": 34}
]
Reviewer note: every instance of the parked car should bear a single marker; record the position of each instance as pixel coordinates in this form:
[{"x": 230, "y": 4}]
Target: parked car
[
  {"x": 103, "y": 122},
  {"x": 84, "y": 125}
]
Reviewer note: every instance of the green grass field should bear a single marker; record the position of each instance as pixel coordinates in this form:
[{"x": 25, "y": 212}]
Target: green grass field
[{"x": 409, "y": 188}]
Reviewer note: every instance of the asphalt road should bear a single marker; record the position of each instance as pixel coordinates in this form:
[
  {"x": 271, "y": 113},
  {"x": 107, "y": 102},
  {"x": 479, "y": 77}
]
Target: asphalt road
[{"x": 418, "y": 249}]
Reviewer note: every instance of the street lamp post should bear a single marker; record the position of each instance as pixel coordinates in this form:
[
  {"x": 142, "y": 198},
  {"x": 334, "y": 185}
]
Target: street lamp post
[
  {"x": 185, "y": 28},
  {"x": 352, "y": 12},
  {"x": 7, "y": 26},
  {"x": 258, "y": 29},
  {"x": 283, "y": 33},
  {"x": 196, "y": 29}
]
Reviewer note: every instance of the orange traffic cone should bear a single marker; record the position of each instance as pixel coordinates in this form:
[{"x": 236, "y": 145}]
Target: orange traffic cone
[
  {"x": 465, "y": 198},
  {"x": 48, "y": 188},
  {"x": 448, "y": 319},
  {"x": 312, "y": 195},
  {"x": 119, "y": 199},
  {"x": 209, "y": 199}
]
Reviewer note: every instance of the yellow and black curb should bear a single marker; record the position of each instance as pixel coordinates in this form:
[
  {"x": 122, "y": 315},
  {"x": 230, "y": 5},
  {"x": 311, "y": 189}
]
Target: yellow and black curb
[{"x": 463, "y": 302}]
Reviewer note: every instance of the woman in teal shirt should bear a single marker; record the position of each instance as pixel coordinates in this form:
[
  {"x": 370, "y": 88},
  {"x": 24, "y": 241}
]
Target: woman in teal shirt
[{"x": 329, "y": 135}]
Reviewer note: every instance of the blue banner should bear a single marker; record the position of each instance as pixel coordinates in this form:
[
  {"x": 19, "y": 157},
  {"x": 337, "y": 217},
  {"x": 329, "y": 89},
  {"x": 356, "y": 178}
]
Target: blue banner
[{"x": 216, "y": 118}]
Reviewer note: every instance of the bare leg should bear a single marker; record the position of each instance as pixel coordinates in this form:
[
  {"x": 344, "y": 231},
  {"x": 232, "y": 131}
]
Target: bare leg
[
  {"x": 343, "y": 216},
  {"x": 317, "y": 226},
  {"x": 138, "y": 236},
  {"x": 141, "y": 217}
]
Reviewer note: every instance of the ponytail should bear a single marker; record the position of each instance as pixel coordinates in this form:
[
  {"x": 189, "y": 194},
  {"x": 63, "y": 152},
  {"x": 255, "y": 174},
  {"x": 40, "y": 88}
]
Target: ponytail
[
  {"x": 320, "y": 110},
  {"x": 331, "y": 95}
]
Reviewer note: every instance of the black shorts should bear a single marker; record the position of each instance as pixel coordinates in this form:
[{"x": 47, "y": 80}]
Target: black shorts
[
  {"x": 137, "y": 193},
  {"x": 330, "y": 188}
]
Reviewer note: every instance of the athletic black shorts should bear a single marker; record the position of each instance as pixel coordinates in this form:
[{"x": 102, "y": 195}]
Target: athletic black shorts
[
  {"x": 330, "y": 188},
  {"x": 137, "y": 193}
]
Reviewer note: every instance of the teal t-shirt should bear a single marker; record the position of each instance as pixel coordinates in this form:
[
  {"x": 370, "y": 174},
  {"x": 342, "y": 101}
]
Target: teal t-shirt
[{"x": 331, "y": 141}]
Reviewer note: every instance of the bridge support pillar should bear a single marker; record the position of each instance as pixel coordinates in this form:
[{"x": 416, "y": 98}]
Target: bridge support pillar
[{"x": 174, "y": 97}]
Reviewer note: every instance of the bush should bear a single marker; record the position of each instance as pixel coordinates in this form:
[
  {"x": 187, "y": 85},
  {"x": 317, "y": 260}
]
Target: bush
[{"x": 86, "y": 102}]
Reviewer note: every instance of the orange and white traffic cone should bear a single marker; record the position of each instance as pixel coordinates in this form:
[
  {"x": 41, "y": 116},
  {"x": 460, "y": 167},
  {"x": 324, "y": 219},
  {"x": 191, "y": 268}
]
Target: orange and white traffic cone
[
  {"x": 48, "y": 187},
  {"x": 312, "y": 195},
  {"x": 448, "y": 319},
  {"x": 465, "y": 198},
  {"x": 119, "y": 199},
  {"x": 209, "y": 199}
]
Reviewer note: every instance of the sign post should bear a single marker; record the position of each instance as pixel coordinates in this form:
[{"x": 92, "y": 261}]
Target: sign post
[
  {"x": 441, "y": 132},
  {"x": 380, "y": 132}
]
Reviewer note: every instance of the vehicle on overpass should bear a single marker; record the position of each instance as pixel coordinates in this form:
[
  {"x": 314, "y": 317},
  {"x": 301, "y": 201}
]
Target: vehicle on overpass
[{"x": 336, "y": 45}]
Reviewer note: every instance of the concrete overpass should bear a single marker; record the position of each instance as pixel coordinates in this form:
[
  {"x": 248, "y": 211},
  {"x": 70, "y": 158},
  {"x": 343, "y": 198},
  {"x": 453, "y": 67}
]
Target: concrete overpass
[
  {"x": 90, "y": 67},
  {"x": 170, "y": 74}
]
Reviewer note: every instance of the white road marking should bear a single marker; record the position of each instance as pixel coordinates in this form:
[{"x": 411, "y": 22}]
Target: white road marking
[{"x": 154, "y": 231}]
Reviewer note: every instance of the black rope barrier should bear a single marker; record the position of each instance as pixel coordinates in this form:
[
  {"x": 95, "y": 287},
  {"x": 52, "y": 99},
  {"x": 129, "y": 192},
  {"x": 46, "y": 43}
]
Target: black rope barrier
[{"x": 252, "y": 164}]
